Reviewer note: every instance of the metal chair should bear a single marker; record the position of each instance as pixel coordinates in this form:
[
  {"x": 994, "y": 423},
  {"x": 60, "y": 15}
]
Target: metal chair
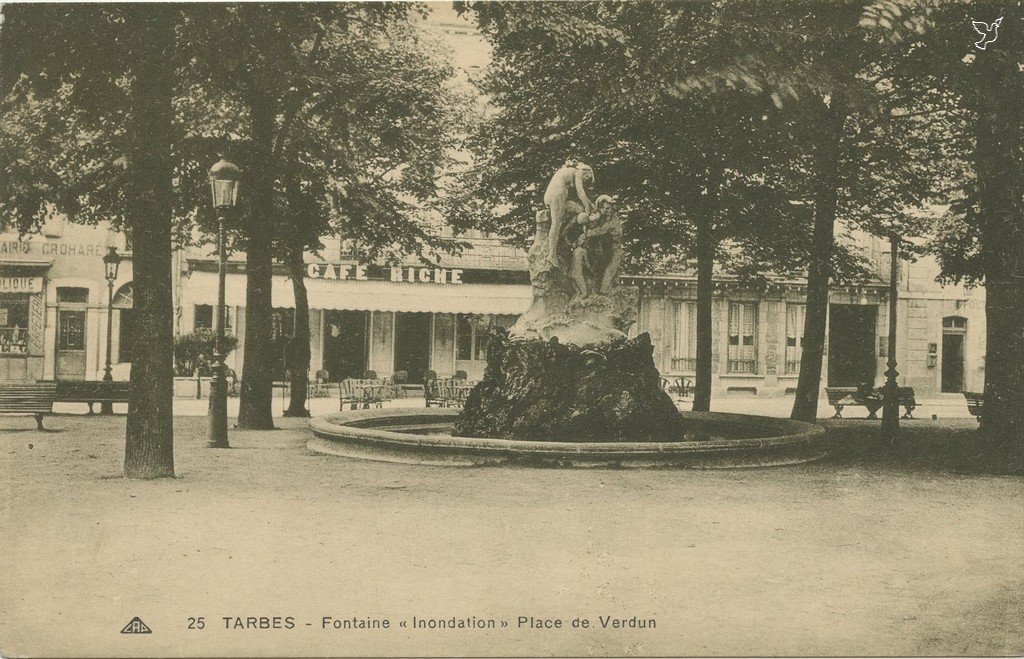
[
  {"x": 460, "y": 375},
  {"x": 369, "y": 375},
  {"x": 232, "y": 380},
  {"x": 683, "y": 388},
  {"x": 431, "y": 390},
  {"x": 398, "y": 382},
  {"x": 347, "y": 394},
  {"x": 319, "y": 383}
]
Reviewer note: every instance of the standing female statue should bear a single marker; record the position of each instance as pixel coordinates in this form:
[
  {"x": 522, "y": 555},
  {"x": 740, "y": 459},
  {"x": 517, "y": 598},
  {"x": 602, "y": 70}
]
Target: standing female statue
[{"x": 565, "y": 198}]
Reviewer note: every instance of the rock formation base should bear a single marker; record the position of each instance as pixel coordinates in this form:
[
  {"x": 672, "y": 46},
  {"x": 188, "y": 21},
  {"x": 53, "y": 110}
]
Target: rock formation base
[{"x": 546, "y": 390}]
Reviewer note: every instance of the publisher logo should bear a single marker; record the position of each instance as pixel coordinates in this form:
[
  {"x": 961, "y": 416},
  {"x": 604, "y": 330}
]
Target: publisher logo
[
  {"x": 989, "y": 32},
  {"x": 136, "y": 626}
]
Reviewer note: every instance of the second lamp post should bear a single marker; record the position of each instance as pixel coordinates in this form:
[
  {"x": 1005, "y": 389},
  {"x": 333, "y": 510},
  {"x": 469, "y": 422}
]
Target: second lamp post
[
  {"x": 111, "y": 262},
  {"x": 224, "y": 183}
]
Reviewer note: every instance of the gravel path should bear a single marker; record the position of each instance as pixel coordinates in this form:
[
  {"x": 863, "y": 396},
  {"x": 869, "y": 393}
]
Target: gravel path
[{"x": 857, "y": 555}]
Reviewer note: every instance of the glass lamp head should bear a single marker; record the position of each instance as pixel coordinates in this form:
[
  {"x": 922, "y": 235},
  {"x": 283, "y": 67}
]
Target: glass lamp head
[
  {"x": 111, "y": 263},
  {"x": 225, "y": 178}
]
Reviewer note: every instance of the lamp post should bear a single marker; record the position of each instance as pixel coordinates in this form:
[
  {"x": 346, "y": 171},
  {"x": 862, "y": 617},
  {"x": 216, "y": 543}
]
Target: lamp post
[
  {"x": 891, "y": 392},
  {"x": 111, "y": 263},
  {"x": 224, "y": 183}
]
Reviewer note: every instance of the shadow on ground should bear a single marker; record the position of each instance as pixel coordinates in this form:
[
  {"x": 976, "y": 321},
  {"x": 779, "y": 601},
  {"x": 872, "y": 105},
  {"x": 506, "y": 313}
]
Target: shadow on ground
[{"x": 952, "y": 446}]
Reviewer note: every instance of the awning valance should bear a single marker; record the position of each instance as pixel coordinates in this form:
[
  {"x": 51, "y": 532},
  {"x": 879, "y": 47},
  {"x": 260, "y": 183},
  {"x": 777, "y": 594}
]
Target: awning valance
[
  {"x": 25, "y": 261},
  {"x": 201, "y": 288}
]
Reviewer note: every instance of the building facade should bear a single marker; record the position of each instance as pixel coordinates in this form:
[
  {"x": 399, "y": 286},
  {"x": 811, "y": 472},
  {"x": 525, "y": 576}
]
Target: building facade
[
  {"x": 381, "y": 318},
  {"x": 54, "y": 307},
  {"x": 758, "y": 334},
  {"x": 417, "y": 319}
]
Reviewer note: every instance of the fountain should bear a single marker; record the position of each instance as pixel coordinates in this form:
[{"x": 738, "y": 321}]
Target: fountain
[{"x": 566, "y": 386}]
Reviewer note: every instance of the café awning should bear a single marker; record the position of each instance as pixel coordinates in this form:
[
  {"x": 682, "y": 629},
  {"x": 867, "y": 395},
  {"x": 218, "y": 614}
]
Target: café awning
[{"x": 201, "y": 288}]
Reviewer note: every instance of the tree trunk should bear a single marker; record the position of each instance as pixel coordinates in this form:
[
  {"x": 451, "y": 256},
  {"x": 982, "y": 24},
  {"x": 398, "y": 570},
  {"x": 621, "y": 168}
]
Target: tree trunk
[
  {"x": 149, "y": 430},
  {"x": 299, "y": 351},
  {"x": 819, "y": 271},
  {"x": 707, "y": 245},
  {"x": 705, "y": 288},
  {"x": 1000, "y": 172},
  {"x": 256, "y": 394}
]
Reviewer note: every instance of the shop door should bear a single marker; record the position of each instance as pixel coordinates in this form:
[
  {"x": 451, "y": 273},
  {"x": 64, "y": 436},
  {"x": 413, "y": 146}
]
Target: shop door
[
  {"x": 412, "y": 344},
  {"x": 952, "y": 363},
  {"x": 345, "y": 343},
  {"x": 851, "y": 345},
  {"x": 70, "y": 362}
]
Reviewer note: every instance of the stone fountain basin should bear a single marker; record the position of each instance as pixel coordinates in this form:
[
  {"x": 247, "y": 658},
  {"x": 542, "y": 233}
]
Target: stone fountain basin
[{"x": 423, "y": 436}]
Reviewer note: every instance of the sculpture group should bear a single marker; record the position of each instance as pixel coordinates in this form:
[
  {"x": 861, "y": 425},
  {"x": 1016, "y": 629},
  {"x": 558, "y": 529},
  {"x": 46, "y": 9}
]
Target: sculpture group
[
  {"x": 567, "y": 371},
  {"x": 574, "y": 264}
]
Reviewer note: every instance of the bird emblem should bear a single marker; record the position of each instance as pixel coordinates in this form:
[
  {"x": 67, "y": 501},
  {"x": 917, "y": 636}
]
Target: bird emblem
[{"x": 989, "y": 32}]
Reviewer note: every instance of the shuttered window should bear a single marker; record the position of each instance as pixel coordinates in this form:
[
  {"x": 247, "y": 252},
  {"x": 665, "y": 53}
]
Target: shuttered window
[{"x": 742, "y": 351}]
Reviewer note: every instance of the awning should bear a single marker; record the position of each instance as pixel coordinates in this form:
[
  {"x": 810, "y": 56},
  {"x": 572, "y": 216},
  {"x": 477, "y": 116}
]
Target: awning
[
  {"x": 25, "y": 261},
  {"x": 201, "y": 288}
]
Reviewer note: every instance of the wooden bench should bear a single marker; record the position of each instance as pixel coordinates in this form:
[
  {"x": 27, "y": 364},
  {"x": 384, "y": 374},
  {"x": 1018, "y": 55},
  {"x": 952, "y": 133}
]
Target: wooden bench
[
  {"x": 91, "y": 392},
  {"x": 35, "y": 398},
  {"x": 975, "y": 403},
  {"x": 840, "y": 397}
]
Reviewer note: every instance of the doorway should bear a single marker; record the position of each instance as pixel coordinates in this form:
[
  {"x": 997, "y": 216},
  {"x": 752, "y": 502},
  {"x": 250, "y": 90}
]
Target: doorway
[
  {"x": 851, "y": 345},
  {"x": 952, "y": 363},
  {"x": 345, "y": 341},
  {"x": 412, "y": 344},
  {"x": 70, "y": 355},
  {"x": 954, "y": 334}
]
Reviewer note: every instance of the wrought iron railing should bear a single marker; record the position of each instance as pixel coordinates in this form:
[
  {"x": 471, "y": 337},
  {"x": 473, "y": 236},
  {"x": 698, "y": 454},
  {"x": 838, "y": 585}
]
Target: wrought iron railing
[
  {"x": 684, "y": 364},
  {"x": 742, "y": 366}
]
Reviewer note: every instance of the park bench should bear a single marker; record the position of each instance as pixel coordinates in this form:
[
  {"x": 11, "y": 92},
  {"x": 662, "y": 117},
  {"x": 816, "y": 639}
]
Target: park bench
[
  {"x": 975, "y": 403},
  {"x": 35, "y": 398},
  {"x": 91, "y": 392},
  {"x": 840, "y": 397}
]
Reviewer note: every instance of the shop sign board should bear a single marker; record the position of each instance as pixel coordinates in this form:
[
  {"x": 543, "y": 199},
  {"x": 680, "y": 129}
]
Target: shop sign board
[
  {"x": 21, "y": 284},
  {"x": 52, "y": 248},
  {"x": 359, "y": 273}
]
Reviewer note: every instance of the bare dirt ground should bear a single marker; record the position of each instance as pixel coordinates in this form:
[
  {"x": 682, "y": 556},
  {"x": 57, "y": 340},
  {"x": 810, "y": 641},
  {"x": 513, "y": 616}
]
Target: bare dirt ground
[{"x": 861, "y": 554}]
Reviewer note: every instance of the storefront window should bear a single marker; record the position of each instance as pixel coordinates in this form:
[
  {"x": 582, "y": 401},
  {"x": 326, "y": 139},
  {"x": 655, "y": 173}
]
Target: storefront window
[
  {"x": 203, "y": 318},
  {"x": 473, "y": 332},
  {"x": 14, "y": 324},
  {"x": 463, "y": 337}
]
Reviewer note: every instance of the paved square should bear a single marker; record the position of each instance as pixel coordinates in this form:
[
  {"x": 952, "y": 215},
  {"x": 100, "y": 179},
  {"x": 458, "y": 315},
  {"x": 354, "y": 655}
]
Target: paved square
[{"x": 851, "y": 556}]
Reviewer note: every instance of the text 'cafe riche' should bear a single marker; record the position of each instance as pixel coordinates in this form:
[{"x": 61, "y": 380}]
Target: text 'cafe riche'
[
  {"x": 407, "y": 317},
  {"x": 343, "y": 271}
]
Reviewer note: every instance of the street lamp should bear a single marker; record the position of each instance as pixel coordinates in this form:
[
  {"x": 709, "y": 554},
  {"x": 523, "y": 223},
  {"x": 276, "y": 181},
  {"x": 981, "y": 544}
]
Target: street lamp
[
  {"x": 225, "y": 178},
  {"x": 891, "y": 391},
  {"x": 111, "y": 263}
]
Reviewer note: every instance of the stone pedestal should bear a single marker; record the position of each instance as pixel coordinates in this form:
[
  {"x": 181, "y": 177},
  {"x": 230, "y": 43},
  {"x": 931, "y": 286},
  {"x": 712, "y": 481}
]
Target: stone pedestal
[{"x": 551, "y": 391}]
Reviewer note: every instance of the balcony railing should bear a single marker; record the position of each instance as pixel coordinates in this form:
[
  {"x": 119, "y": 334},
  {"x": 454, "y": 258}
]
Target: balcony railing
[
  {"x": 742, "y": 366},
  {"x": 13, "y": 340},
  {"x": 684, "y": 364}
]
